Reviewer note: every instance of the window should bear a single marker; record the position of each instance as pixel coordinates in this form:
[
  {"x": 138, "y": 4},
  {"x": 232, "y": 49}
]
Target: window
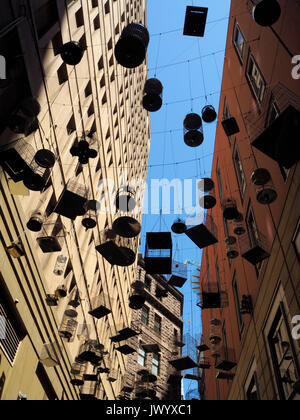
[
  {"x": 156, "y": 364},
  {"x": 221, "y": 193},
  {"x": 145, "y": 315},
  {"x": 237, "y": 300},
  {"x": 239, "y": 41},
  {"x": 296, "y": 241},
  {"x": 239, "y": 172},
  {"x": 283, "y": 355},
  {"x": 256, "y": 79},
  {"x": 157, "y": 323},
  {"x": 141, "y": 356},
  {"x": 251, "y": 385},
  {"x": 46, "y": 15},
  {"x": 252, "y": 228},
  {"x": 148, "y": 283}
]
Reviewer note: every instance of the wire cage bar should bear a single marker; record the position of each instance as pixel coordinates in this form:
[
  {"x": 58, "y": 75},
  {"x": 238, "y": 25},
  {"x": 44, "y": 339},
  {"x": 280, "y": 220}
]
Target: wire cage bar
[
  {"x": 117, "y": 250},
  {"x": 91, "y": 351},
  {"x": 226, "y": 360},
  {"x": 152, "y": 99},
  {"x": 193, "y": 130},
  {"x": 254, "y": 248},
  {"x": 88, "y": 391},
  {"x": 100, "y": 306},
  {"x": 179, "y": 274},
  {"x": 131, "y": 48},
  {"x": 16, "y": 158},
  {"x": 68, "y": 329}
]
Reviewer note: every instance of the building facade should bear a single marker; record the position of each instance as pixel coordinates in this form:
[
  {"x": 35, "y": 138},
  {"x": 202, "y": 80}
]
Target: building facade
[
  {"x": 60, "y": 299},
  {"x": 159, "y": 341},
  {"x": 248, "y": 331}
]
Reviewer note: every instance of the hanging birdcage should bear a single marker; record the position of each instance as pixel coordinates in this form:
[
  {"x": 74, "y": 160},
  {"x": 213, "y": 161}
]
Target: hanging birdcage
[
  {"x": 188, "y": 358},
  {"x": 61, "y": 291},
  {"x": 132, "y": 45},
  {"x": 16, "y": 158},
  {"x": 38, "y": 178},
  {"x": 230, "y": 211},
  {"x": 100, "y": 306},
  {"x": 51, "y": 242},
  {"x": 231, "y": 247},
  {"x": 152, "y": 100},
  {"x": 117, "y": 250},
  {"x": 45, "y": 158},
  {"x": 52, "y": 300},
  {"x": 206, "y": 193},
  {"x": 195, "y": 21},
  {"x": 83, "y": 151},
  {"x": 254, "y": 247},
  {"x": 36, "y": 221},
  {"x": 204, "y": 234},
  {"x": 158, "y": 253},
  {"x": 68, "y": 329},
  {"x": 83, "y": 332},
  {"x": 137, "y": 297},
  {"x": 88, "y": 391},
  {"x": 265, "y": 190},
  {"x": 60, "y": 265},
  {"x": 125, "y": 199},
  {"x": 193, "y": 130},
  {"x": 246, "y": 306},
  {"x": 24, "y": 119},
  {"x": 212, "y": 297},
  {"x": 230, "y": 126},
  {"x": 72, "y": 200},
  {"x": 239, "y": 227},
  {"x": 266, "y": 12},
  {"x": 204, "y": 344},
  {"x": 89, "y": 221},
  {"x": 72, "y": 53},
  {"x": 209, "y": 114},
  {"x": 215, "y": 334},
  {"x": 179, "y": 274},
  {"x": 226, "y": 360},
  {"x": 50, "y": 354},
  {"x": 91, "y": 351},
  {"x": 126, "y": 225},
  {"x": 77, "y": 374},
  {"x": 179, "y": 226}
]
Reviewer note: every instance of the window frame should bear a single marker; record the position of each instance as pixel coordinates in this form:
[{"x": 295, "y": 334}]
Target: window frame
[
  {"x": 157, "y": 330},
  {"x": 258, "y": 92},
  {"x": 156, "y": 364},
  {"x": 241, "y": 53},
  {"x": 237, "y": 299},
  {"x": 147, "y": 309},
  {"x": 142, "y": 356},
  {"x": 240, "y": 173}
]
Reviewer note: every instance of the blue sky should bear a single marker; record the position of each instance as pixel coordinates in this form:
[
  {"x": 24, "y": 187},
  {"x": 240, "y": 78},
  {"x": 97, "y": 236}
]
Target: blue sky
[{"x": 177, "y": 61}]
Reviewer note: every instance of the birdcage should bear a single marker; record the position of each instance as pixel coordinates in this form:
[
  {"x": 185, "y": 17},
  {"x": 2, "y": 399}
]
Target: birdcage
[
  {"x": 265, "y": 12},
  {"x": 125, "y": 199},
  {"x": 209, "y": 114},
  {"x": 52, "y": 300},
  {"x": 68, "y": 329},
  {"x": 24, "y": 119},
  {"x": 72, "y": 53},
  {"x": 117, "y": 250},
  {"x": 215, "y": 334},
  {"x": 127, "y": 384},
  {"x": 239, "y": 226},
  {"x": 204, "y": 234},
  {"x": 50, "y": 354},
  {"x": 89, "y": 221},
  {"x": 230, "y": 126},
  {"x": 179, "y": 226},
  {"x": 284, "y": 132},
  {"x": 83, "y": 151},
  {"x": 61, "y": 291},
  {"x": 226, "y": 360},
  {"x": 77, "y": 374},
  {"x": 204, "y": 343},
  {"x": 112, "y": 376},
  {"x": 72, "y": 200},
  {"x": 195, "y": 21},
  {"x": 145, "y": 390},
  {"x": 88, "y": 391},
  {"x": 230, "y": 210},
  {"x": 264, "y": 187},
  {"x": 189, "y": 355},
  {"x": 158, "y": 254},
  {"x": 246, "y": 306},
  {"x": 37, "y": 178},
  {"x": 212, "y": 297},
  {"x": 126, "y": 225},
  {"x": 91, "y": 351},
  {"x": 45, "y": 158},
  {"x": 179, "y": 274},
  {"x": 100, "y": 306},
  {"x": 127, "y": 347},
  {"x": 36, "y": 221},
  {"x": 53, "y": 239},
  {"x": 83, "y": 332},
  {"x": 152, "y": 100},
  {"x": 254, "y": 247},
  {"x": 231, "y": 247},
  {"x": 206, "y": 193},
  {"x": 132, "y": 45},
  {"x": 15, "y": 159},
  {"x": 137, "y": 297},
  {"x": 60, "y": 265},
  {"x": 125, "y": 332},
  {"x": 193, "y": 130}
]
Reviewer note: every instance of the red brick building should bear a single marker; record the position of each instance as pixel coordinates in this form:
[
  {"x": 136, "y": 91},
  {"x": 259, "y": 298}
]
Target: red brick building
[{"x": 255, "y": 264}]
